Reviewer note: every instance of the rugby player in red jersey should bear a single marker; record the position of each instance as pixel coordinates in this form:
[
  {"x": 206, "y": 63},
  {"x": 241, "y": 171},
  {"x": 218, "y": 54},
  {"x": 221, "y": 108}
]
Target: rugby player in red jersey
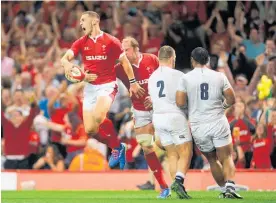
[
  {"x": 99, "y": 52},
  {"x": 143, "y": 66}
]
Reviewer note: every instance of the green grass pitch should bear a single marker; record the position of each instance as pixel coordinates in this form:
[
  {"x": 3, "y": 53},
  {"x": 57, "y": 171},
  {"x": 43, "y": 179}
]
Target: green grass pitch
[{"x": 126, "y": 197}]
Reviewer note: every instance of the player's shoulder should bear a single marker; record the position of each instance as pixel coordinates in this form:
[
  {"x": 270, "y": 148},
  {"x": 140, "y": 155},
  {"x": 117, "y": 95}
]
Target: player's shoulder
[
  {"x": 83, "y": 38},
  {"x": 216, "y": 74},
  {"x": 110, "y": 37},
  {"x": 150, "y": 56}
]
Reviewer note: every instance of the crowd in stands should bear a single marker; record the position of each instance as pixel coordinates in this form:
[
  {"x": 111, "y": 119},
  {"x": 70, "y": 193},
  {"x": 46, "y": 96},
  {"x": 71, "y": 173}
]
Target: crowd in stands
[{"x": 42, "y": 125}]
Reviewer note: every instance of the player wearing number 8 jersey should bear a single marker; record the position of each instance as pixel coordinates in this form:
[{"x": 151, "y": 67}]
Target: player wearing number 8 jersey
[{"x": 205, "y": 89}]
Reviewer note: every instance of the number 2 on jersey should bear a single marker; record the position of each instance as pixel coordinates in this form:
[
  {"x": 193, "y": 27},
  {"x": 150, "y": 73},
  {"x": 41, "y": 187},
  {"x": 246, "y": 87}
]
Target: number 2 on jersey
[
  {"x": 161, "y": 84},
  {"x": 204, "y": 87}
]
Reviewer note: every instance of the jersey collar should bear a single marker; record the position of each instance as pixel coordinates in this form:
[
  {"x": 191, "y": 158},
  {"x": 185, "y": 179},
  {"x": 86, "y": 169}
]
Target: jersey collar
[
  {"x": 95, "y": 38},
  {"x": 140, "y": 59}
]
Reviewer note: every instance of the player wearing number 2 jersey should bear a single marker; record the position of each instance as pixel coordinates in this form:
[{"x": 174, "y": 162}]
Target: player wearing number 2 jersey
[
  {"x": 99, "y": 52},
  {"x": 143, "y": 66},
  {"x": 205, "y": 89},
  {"x": 169, "y": 120}
]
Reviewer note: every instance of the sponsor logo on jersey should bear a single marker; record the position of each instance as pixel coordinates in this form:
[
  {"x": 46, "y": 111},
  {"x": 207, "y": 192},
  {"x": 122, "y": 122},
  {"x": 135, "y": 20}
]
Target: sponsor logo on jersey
[
  {"x": 142, "y": 82},
  {"x": 92, "y": 58},
  {"x": 259, "y": 144}
]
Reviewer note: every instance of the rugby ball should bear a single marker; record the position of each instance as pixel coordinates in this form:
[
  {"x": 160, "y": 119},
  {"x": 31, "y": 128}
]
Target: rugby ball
[{"x": 76, "y": 75}]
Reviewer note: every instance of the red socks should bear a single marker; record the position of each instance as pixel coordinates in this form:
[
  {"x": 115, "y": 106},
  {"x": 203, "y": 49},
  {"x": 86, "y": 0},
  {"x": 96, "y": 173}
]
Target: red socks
[
  {"x": 156, "y": 168},
  {"x": 107, "y": 134}
]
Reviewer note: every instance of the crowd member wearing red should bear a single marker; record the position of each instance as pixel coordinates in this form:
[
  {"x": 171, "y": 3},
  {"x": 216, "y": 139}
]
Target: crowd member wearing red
[
  {"x": 73, "y": 135},
  {"x": 271, "y": 134},
  {"x": 246, "y": 129},
  {"x": 261, "y": 149},
  {"x": 16, "y": 135},
  {"x": 57, "y": 114}
]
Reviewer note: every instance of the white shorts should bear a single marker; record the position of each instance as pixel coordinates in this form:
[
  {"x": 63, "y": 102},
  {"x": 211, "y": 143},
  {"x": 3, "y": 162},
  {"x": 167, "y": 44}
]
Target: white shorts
[
  {"x": 171, "y": 128},
  {"x": 92, "y": 92},
  {"x": 141, "y": 118},
  {"x": 209, "y": 136}
]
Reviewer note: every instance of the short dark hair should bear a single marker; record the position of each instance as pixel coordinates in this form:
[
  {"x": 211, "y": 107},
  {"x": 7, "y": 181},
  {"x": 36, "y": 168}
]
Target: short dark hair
[
  {"x": 91, "y": 14},
  {"x": 165, "y": 53},
  {"x": 200, "y": 55}
]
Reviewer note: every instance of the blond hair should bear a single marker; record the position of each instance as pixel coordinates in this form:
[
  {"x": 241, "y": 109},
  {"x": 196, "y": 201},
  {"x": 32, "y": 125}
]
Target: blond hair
[
  {"x": 92, "y": 14},
  {"x": 165, "y": 53},
  {"x": 133, "y": 42}
]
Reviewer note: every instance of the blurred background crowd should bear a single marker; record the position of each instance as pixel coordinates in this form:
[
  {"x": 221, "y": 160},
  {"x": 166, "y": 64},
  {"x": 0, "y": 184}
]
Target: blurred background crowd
[{"x": 42, "y": 124}]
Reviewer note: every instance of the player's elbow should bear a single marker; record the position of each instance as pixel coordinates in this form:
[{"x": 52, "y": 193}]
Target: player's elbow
[
  {"x": 180, "y": 99},
  {"x": 179, "y": 104},
  {"x": 231, "y": 100}
]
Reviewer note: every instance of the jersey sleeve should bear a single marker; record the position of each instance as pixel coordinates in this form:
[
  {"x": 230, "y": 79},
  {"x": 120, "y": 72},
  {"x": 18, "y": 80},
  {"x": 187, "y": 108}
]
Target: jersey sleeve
[
  {"x": 118, "y": 70},
  {"x": 182, "y": 84},
  {"x": 76, "y": 46},
  {"x": 117, "y": 49},
  {"x": 156, "y": 62},
  {"x": 226, "y": 83}
]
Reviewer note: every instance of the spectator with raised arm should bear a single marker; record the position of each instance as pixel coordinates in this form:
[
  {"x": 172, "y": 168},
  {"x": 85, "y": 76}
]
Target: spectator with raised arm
[
  {"x": 245, "y": 128},
  {"x": 16, "y": 135},
  {"x": 254, "y": 46}
]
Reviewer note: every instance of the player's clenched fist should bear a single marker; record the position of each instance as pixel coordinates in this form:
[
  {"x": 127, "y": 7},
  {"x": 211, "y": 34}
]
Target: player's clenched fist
[{"x": 136, "y": 89}]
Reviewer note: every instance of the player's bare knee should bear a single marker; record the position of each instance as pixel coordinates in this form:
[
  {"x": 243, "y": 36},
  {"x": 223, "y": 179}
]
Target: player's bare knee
[
  {"x": 146, "y": 142},
  {"x": 159, "y": 144},
  {"x": 91, "y": 131},
  {"x": 147, "y": 149},
  {"x": 99, "y": 117},
  {"x": 211, "y": 156}
]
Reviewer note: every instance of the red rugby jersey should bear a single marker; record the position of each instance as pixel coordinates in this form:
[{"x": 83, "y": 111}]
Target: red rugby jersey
[
  {"x": 261, "y": 153},
  {"x": 99, "y": 55},
  {"x": 148, "y": 63}
]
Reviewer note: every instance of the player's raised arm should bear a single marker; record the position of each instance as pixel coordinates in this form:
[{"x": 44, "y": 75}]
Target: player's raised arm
[
  {"x": 228, "y": 93},
  {"x": 181, "y": 93},
  {"x": 135, "y": 88}
]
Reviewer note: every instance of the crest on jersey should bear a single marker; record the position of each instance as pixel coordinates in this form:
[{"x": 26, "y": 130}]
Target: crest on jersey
[
  {"x": 103, "y": 47},
  {"x": 86, "y": 48}
]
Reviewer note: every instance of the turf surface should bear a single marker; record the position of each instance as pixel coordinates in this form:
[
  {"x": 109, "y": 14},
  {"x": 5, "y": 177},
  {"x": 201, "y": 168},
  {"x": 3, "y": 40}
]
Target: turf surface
[{"x": 125, "y": 197}]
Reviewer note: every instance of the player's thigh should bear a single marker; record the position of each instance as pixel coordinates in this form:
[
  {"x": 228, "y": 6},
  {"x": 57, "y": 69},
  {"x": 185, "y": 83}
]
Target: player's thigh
[
  {"x": 105, "y": 96},
  {"x": 94, "y": 117},
  {"x": 180, "y": 131},
  {"x": 144, "y": 129},
  {"x": 161, "y": 128},
  {"x": 142, "y": 121},
  {"x": 221, "y": 133},
  {"x": 89, "y": 102},
  {"x": 96, "y": 104},
  {"x": 171, "y": 151},
  {"x": 202, "y": 137}
]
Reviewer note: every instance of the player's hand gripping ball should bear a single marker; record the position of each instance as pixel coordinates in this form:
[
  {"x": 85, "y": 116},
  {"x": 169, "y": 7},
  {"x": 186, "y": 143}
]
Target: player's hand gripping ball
[{"x": 76, "y": 75}]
